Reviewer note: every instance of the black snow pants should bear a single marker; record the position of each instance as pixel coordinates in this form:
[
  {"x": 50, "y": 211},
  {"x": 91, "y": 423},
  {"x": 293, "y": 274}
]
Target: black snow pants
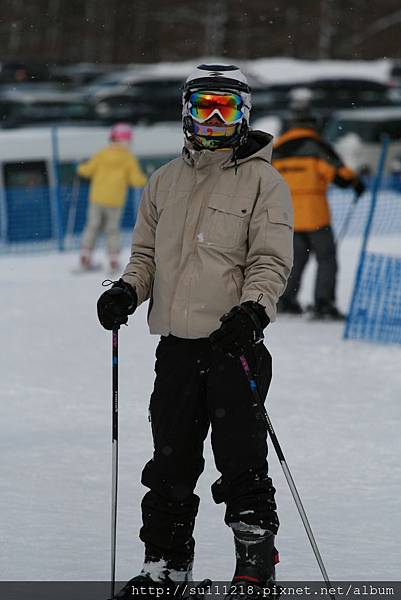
[
  {"x": 321, "y": 243},
  {"x": 197, "y": 387}
]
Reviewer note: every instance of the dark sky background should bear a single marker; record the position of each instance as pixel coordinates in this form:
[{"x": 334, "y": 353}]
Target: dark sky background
[{"x": 123, "y": 31}]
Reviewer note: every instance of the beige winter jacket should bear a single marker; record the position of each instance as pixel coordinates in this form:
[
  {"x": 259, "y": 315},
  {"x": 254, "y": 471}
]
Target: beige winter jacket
[{"x": 211, "y": 234}]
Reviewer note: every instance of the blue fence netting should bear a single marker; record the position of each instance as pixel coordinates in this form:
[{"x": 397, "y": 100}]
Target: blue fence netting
[
  {"x": 27, "y": 215},
  {"x": 376, "y": 308},
  {"x": 50, "y": 219},
  {"x": 75, "y": 204},
  {"x": 44, "y": 218},
  {"x": 387, "y": 218},
  {"x": 40, "y": 218}
]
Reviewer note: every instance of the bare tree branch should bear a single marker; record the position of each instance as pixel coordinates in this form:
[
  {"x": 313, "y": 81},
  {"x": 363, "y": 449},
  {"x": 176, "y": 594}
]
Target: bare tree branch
[{"x": 378, "y": 26}]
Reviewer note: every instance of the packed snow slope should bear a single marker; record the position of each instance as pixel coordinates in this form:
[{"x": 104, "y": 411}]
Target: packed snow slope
[{"x": 335, "y": 406}]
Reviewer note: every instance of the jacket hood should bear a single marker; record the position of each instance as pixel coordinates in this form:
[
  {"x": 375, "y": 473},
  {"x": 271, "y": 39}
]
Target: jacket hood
[
  {"x": 295, "y": 133},
  {"x": 258, "y": 145},
  {"x": 114, "y": 153}
]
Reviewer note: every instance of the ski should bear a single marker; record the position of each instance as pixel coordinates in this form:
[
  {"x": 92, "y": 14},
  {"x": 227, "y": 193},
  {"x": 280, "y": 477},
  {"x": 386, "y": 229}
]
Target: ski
[{"x": 79, "y": 270}]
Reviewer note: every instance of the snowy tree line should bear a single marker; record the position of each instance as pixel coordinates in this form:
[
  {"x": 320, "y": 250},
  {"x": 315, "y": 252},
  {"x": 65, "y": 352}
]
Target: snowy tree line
[{"x": 121, "y": 31}]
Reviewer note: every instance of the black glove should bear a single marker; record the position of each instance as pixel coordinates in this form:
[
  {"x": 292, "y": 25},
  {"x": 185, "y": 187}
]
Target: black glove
[
  {"x": 115, "y": 304},
  {"x": 241, "y": 328},
  {"x": 359, "y": 187}
]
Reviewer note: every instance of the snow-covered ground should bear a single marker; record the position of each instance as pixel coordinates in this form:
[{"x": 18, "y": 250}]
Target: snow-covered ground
[{"x": 335, "y": 406}]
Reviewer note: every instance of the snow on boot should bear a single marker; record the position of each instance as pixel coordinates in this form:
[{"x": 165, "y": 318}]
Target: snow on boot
[
  {"x": 144, "y": 587},
  {"x": 160, "y": 569},
  {"x": 176, "y": 575},
  {"x": 256, "y": 560}
]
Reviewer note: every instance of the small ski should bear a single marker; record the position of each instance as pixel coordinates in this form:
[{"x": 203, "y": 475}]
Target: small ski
[{"x": 85, "y": 270}]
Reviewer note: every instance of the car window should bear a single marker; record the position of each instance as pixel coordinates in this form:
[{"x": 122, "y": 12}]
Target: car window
[
  {"x": 53, "y": 110},
  {"x": 393, "y": 129},
  {"x": 67, "y": 172},
  {"x": 28, "y": 174},
  {"x": 157, "y": 91},
  {"x": 6, "y": 109},
  {"x": 367, "y": 131},
  {"x": 347, "y": 97}
]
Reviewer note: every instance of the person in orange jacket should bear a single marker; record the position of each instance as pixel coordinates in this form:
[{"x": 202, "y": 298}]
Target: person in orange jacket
[
  {"x": 111, "y": 171},
  {"x": 310, "y": 165}
]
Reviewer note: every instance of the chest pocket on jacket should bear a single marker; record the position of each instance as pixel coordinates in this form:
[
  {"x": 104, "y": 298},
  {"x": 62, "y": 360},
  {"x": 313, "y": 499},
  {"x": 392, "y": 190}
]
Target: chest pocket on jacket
[{"x": 226, "y": 220}]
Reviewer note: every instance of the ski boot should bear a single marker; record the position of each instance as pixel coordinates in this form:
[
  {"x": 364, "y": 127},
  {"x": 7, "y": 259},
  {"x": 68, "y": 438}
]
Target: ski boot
[
  {"x": 85, "y": 259},
  {"x": 114, "y": 265},
  {"x": 85, "y": 263},
  {"x": 155, "y": 575},
  {"x": 326, "y": 311},
  {"x": 256, "y": 561},
  {"x": 289, "y": 307},
  {"x": 144, "y": 587}
]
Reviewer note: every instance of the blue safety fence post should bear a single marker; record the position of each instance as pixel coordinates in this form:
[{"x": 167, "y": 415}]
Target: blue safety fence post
[
  {"x": 375, "y": 190},
  {"x": 3, "y": 214},
  {"x": 137, "y": 201},
  {"x": 56, "y": 196}
]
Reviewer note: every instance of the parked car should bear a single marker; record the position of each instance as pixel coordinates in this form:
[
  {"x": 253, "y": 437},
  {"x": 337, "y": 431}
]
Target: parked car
[
  {"x": 148, "y": 94},
  {"x": 148, "y": 99},
  {"x": 357, "y": 136},
  {"x": 31, "y": 150},
  {"x": 119, "y": 80},
  {"x": 19, "y": 109},
  {"x": 79, "y": 74},
  {"x": 326, "y": 95},
  {"x": 395, "y": 74},
  {"x": 22, "y": 71},
  {"x": 38, "y": 174},
  {"x": 395, "y": 82}
]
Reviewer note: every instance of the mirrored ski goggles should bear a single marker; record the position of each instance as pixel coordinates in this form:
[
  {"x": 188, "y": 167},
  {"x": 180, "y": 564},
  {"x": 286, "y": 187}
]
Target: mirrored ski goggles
[{"x": 204, "y": 105}]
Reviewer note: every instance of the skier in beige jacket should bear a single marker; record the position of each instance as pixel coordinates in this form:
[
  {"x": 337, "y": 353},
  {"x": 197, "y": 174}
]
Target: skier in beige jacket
[{"x": 212, "y": 251}]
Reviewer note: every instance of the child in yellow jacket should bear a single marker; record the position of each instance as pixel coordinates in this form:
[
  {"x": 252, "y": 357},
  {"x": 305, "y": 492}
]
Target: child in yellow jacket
[{"x": 111, "y": 171}]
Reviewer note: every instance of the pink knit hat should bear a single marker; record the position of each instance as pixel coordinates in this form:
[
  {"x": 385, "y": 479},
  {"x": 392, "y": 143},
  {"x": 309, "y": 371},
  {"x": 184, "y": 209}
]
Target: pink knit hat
[{"x": 121, "y": 132}]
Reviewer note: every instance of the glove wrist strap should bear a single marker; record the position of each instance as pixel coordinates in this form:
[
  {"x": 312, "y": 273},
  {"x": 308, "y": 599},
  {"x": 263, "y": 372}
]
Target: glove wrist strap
[{"x": 256, "y": 313}]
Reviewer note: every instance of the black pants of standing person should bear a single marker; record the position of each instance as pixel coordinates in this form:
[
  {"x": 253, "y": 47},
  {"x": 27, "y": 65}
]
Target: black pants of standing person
[
  {"x": 322, "y": 244},
  {"x": 195, "y": 388}
]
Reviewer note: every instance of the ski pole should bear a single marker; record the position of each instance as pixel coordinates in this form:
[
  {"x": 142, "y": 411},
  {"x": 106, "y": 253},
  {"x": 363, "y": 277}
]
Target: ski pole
[
  {"x": 344, "y": 227},
  {"x": 72, "y": 211},
  {"x": 114, "y": 412},
  {"x": 287, "y": 473}
]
